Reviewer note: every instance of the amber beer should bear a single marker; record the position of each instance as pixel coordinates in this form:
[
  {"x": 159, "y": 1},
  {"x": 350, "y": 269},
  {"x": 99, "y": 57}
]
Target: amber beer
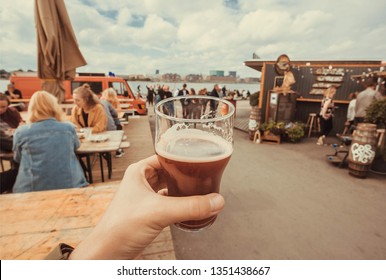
[{"x": 194, "y": 162}]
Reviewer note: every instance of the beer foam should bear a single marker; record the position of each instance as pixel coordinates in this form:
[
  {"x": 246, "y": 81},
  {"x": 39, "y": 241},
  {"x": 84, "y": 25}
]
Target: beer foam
[{"x": 193, "y": 145}]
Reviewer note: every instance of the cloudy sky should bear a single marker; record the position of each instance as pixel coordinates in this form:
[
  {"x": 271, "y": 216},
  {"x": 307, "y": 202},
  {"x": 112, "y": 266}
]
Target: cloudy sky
[{"x": 195, "y": 36}]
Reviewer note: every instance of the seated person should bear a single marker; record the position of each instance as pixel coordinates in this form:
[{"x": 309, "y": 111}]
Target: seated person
[
  {"x": 110, "y": 95},
  {"x": 88, "y": 112},
  {"x": 10, "y": 119},
  {"x": 15, "y": 94},
  {"x": 113, "y": 122},
  {"x": 45, "y": 148}
]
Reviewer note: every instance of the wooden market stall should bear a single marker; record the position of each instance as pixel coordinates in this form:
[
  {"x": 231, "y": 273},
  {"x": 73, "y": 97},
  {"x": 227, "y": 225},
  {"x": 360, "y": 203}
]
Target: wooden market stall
[{"x": 312, "y": 77}]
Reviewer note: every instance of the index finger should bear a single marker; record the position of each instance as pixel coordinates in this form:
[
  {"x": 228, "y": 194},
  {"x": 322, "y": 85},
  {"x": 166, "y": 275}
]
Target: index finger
[{"x": 153, "y": 172}]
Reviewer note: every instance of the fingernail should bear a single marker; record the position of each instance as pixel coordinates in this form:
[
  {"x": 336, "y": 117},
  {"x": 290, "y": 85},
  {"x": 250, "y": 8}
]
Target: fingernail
[{"x": 217, "y": 203}]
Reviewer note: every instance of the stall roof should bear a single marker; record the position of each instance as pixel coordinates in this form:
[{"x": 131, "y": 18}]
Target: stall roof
[{"x": 258, "y": 63}]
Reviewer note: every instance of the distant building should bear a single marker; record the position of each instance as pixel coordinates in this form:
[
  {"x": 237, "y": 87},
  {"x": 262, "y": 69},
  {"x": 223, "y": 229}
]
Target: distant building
[
  {"x": 157, "y": 72},
  {"x": 217, "y": 73},
  {"x": 194, "y": 78},
  {"x": 171, "y": 77},
  {"x": 251, "y": 80},
  {"x": 232, "y": 74}
]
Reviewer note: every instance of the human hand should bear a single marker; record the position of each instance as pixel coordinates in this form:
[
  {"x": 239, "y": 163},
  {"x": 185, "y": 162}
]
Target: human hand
[{"x": 139, "y": 212}]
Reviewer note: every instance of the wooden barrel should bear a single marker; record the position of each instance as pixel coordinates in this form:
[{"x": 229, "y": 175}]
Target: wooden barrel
[
  {"x": 254, "y": 121},
  {"x": 362, "y": 150}
]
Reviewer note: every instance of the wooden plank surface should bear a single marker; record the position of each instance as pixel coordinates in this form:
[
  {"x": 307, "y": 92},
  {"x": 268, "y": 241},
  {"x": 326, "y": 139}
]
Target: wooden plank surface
[{"x": 33, "y": 223}]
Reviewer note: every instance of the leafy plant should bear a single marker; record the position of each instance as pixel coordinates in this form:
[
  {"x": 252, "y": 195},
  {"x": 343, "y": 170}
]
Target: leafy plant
[
  {"x": 276, "y": 128},
  {"x": 376, "y": 113},
  {"x": 295, "y": 131},
  {"x": 254, "y": 99}
]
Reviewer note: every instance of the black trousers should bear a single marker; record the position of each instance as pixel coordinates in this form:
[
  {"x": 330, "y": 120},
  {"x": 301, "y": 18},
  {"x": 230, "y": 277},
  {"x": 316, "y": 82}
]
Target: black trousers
[{"x": 326, "y": 126}]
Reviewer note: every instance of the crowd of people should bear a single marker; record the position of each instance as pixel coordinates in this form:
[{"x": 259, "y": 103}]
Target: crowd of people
[
  {"x": 193, "y": 108},
  {"x": 38, "y": 163},
  {"x": 44, "y": 147}
]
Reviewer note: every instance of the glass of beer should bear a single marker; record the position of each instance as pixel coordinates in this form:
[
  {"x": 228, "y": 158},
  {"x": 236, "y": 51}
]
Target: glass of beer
[{"x": 194, "y": 143}]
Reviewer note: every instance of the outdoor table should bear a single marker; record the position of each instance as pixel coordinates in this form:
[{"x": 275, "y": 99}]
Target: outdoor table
[
  {"x": 103, "y": 149},
  {"x": 33, "y": 223},
  {"x": 20, "y": 100}
]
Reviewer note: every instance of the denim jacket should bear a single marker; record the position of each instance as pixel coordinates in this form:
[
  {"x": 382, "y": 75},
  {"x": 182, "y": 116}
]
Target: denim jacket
[{"x": 46, "y": 152}]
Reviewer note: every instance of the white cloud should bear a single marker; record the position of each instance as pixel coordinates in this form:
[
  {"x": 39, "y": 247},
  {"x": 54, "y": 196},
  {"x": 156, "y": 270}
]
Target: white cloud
[
  {"x": 124, "y": 16},
  {"x": 139, "y": 36}
]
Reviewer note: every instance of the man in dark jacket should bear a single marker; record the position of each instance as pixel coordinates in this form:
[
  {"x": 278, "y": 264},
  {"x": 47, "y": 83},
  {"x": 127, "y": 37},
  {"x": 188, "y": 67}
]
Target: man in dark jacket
[
  {"x": 184, "y": 102},
  {"x": 215, "y": 93}
]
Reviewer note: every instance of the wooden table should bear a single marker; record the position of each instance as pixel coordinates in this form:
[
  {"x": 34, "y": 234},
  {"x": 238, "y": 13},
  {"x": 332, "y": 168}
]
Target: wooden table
[
  {"x": 103, "y": 149},
  {"x": 20, "y": 100},
  {"x": 33, "y": 223}
]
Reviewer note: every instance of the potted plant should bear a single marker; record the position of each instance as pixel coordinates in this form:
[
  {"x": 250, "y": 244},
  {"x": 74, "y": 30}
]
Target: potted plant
[
  {"x": 376, "y": 114},
  {"x": 273, "y": 128},
  {"x": 295, "y": 131}
]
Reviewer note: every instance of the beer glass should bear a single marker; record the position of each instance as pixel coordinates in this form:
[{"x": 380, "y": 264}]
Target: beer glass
[{"x": 194, "y": 142}]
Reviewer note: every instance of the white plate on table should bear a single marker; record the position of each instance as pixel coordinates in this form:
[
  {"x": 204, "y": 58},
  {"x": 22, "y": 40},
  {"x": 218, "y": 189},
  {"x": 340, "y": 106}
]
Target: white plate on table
[
  {"x": 98, "y": 138},
  {"x": 80, "y": 135}
]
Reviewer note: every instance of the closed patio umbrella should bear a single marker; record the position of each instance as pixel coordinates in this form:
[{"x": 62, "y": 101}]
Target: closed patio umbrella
[{"x": 58, "y": 51}]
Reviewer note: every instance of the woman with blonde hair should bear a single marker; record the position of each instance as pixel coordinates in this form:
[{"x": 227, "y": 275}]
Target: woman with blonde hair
[
  {"x": 326, "y": 114},
  {"x": 111, "y": 96},
  {"x": 88, "y": 112},
  {"x": 45, "y": 148}
]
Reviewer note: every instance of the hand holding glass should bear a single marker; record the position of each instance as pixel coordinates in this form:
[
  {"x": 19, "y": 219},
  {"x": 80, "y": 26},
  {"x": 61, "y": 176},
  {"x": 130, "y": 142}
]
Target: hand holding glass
[{"x": 194, "y": 146}]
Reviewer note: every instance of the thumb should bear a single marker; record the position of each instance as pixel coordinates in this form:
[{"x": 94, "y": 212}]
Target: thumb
[{"x": 179, "y": 209}]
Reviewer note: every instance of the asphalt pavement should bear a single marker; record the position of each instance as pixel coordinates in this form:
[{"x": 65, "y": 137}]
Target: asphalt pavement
[{"x": 286, "y": 201}]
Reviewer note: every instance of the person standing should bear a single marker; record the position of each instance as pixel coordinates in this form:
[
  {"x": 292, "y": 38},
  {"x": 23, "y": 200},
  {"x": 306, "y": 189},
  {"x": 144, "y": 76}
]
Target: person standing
[
  {"x": 184, "y": 102},
  {"x": 203, "y": 102},
  {"x": 326, "y": 114},
  {"x": 364, "y": 99},
  {"x": 139, "y": 96},
  {"x": 150, "y": 95},
  {"x": 168, "y": 94},
  {"x": 45, "y": 148},
  {"x": 350, "y": 114},
  {"x": 214, "y": 93}
]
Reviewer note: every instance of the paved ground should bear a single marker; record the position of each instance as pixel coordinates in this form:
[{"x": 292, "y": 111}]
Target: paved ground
[{"x": 287, "y": 202}]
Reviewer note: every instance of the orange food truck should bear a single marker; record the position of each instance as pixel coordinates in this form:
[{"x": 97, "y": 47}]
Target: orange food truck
[{"x": 28, "y": 83}]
